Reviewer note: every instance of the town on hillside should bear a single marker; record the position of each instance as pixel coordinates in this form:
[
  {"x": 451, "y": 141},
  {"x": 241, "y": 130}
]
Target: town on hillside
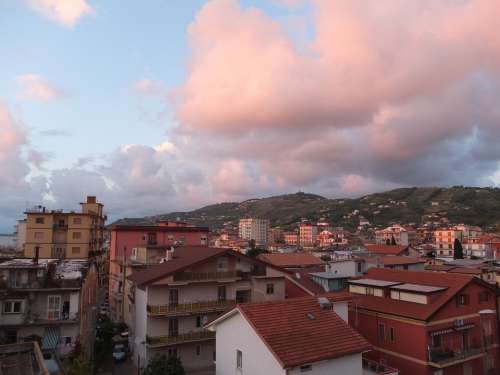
[{"x": 79, "y": 295}]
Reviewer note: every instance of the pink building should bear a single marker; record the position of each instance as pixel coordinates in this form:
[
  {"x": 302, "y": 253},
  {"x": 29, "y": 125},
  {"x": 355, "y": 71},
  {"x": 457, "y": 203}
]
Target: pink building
[{"x": 127, "y": 235}]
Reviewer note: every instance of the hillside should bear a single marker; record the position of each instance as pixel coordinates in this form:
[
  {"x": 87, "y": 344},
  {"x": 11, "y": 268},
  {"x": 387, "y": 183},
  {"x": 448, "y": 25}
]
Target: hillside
[{"x": 469, "y": 205}]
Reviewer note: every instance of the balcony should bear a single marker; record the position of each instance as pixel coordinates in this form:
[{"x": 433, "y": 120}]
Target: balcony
[
  {"x": 60, "y": 226},
  {"x": 180, "y": 309},
  {"x": 205, "y": 276},
  {"x": 439, "y": 357},
  {"x": 374, "y": 368},
  {"x": 159, "y": 341}
]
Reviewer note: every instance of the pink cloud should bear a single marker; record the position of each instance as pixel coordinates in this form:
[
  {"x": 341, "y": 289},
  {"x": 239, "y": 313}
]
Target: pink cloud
[
  {"x": 35, "y": 87},
  {"x": 65, "y": 12}
]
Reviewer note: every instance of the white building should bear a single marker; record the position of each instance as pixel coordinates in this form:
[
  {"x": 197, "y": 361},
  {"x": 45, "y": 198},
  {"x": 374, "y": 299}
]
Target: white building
[
  {"x": 402, "y": 235},
  {"x": 20, "y": 235},
  {"x": 288, "y": 337},
  {"x": 254, "y": 229}
]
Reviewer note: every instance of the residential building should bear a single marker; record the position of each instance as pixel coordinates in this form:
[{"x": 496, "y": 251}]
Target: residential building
[
  {"x": 172, "y": 301},
  {"x": 57, "y": 234},
  {"x": 276, "y": 236},
  {"x": 288, "y": 337},
  {"x": 307, "y": 235},
  {"x": 395, "y": 262},
  {"x": 51, "y": 301},
  {"x": 444, "y": 240},
  {"x": 352, "y": 267},
  {"x": 291, "y": 260},
  {"x": 427, "y": 322},
  {"x": 291, "y": 238},
  {"x": 128, "y": 234},
  {"x": 402, "y": 235},
  {"x": 254, "y": 229},
  {"x": 486, "y": 246},
  {"x": 331, "y": 238}
]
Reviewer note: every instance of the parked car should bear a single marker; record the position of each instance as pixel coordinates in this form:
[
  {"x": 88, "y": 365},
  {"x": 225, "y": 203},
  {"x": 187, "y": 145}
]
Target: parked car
[{"x": 119, "y": 353}]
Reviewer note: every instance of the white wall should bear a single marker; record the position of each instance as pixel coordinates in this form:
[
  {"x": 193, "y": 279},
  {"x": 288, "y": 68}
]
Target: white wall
[
  {"x": 140, "y": 326},
  {"x": 235, "y": 333},
  {"x": 348, "y": 365},
  {"x": 342, "y": 310}
]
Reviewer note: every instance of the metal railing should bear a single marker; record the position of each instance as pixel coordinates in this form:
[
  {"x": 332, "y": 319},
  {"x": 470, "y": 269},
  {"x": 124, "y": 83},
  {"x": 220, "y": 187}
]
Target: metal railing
[
  {"x": 370, "y": 366},
  {"x": 445, "y": 356},
  {"x": 191, "y": 307},
  {"x": 180, "y": 338}
]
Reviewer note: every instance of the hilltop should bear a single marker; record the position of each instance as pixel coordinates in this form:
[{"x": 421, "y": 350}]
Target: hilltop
[{"x": 469, "y": 205}]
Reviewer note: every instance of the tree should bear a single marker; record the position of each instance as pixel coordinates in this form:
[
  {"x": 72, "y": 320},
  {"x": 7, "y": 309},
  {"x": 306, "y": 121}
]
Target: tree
[
  {"x": 458, "y": 252},
  {"x": 393, "y": 241},
  {"x": 325, "y": 258},
  {"x": 251, "y": 243},
  {"x": 160, "y": 365},
  {"x": 256, "y": 252}
]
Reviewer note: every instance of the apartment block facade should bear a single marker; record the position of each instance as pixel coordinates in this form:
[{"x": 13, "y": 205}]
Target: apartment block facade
[
  {"x": 125, "y": 237},
  {"x": 174, "y": 300},
  {"x": 55, "y": 234},
  {"x": 402, "y": 235},
  {"x": 254, "y": 229},
  {"x": 307, "y": 235},
  {"x": 49, "y": 301},
  {"x": 426, "y": 323}
]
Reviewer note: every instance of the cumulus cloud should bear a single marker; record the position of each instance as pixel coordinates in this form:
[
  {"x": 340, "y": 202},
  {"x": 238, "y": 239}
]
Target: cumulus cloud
[
  {"x": 35, "y": 87},
  {"x": 384, "y": 94},
  {"x": 65, "y": 12}
]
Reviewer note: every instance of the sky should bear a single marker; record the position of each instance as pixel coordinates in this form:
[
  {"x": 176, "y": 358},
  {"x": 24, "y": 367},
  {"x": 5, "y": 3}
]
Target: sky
[{"x": 161, "y": 106}]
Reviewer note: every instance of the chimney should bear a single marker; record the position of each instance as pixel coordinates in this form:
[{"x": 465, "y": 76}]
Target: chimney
[
  {"x": 91, "y": 199},
  {"x": 35, "y": 258}
]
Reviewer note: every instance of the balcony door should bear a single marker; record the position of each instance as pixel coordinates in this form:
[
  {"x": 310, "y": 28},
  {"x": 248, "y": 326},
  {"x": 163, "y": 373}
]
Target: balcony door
[
  {"x": 54, "y": 307},
  {"x": 173, "y": 297},
  {"x": 465, "y": 341},
  {"x": 173, "y": 327},
  {"x": 221, "y": 293}
]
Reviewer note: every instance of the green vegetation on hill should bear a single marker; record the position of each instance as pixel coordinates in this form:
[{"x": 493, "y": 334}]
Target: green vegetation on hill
[{"x": 469, "y": 205}]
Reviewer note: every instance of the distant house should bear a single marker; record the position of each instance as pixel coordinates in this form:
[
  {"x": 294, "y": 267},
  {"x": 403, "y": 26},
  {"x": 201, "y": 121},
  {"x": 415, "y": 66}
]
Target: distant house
[
  {"x": 395, "y": 262},
  {"x": 291, "y": 260},
  {"x": 381, "y": 249},
  {"x": 288, "y": 337}
]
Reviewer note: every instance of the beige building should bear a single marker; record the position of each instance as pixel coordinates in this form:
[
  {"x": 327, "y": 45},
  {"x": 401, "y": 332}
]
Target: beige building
[
  {"x": 254, "y": 229},
  {"x": 171, "y": 302},
  {"x": 60, "y": 235}
]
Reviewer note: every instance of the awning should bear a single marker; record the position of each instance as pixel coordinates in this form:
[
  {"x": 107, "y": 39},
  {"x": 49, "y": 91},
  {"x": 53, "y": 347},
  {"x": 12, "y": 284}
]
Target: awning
[
  {"x": 50, "y": 338},
  {"x": 441, "y": 332}
]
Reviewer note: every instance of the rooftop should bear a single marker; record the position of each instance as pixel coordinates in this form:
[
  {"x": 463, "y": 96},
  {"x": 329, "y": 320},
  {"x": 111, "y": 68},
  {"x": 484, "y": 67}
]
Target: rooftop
[
  {"x": 419, "y": 288},
  {"x": 299, "y": 331},
  {"x": 386, "y": 249},
  {"x": 291, "y": 260}
]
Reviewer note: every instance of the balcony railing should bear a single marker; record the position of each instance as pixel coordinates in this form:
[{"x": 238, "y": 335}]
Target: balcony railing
[
  {"x": 444, "y": 357},
  {"x": 191, "y": 307},
  {"x": 375, "y": 368},
  {"x": 201, "y": 276},
  {"x": 180, "y": 338}
]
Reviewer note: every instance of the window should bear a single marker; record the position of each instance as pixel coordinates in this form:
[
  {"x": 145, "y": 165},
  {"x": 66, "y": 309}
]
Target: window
[
  {"x": 270, "y": 289},
  {"x": 12, "y": 307},
  {"x": 172, "y": 353},
  {"x": 173, "y": 297},
  {"x": 359, "y": 266},
  {"x": 392, "y": 335},
  {"x": 67, "y": 340},
  {"x": 221, "y": 293},
  {"x": 198, "y": 321},
  {"x": 462, "y": 300},
  {"x": 381, "y": 332},
  {"x": 239, "y": 359},
  {"x": 77, "y": 235},
  {"x": 54, "y": 307},
  {"x": 77, "y": 220},
  {"x": 75, "y": 250},
  {"x": 39, "y": 236},
  {"x": 198, "y": 350},
  {"x": 370, "y": 291},
  {"x": 305, "y": 368},
  {"x": 222, "y": 264},
  {"x": 39, "y": 220},
  {"x": 173, "y": 327}
]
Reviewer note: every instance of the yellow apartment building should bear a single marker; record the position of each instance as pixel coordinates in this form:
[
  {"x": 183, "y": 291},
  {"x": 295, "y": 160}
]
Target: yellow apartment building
[{"x": 65, "y": 235}]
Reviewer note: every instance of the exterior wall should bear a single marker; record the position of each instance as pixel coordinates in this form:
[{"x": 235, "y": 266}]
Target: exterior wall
[
  {"x": 236, "y": 334},
  {"x": 88, "y": 305},
  {"x": 348, "y": 365},
  {"x": 254, "y": 229},
  {"x": 141, "y": 317},
  {"x": 347, "y": 267},
  {"x": 20, "y": 235},
  {"x": 189, "y": 356}
]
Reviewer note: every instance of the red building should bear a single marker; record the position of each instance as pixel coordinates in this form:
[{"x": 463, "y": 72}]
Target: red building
[
  {"x": 427, "y": 323},
  {"x": 128, "y": 234}
]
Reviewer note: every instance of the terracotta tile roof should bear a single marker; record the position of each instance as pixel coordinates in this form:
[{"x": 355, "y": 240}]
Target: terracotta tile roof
[
  {"x": 184, "y": 257},
  {"x": 387, "y": 249},
  {"x": 291, "y": 260},
  {"x": 394, "y": 260},
  {"x": 303, "y": 277},
  {"x": 294, "y": 338},
  {"x": 453, "y": 282},
  {"x": 439, "y": 267},
  {"x": 465, "y": 270}
]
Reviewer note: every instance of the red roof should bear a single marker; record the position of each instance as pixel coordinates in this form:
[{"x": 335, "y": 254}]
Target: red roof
[
  {"x": 453, "y": 282},
  {"x": 303, "y": 277},
  {"x": 387, "y": 249},
  {"x": 296, "y": 338},
  {"x": 185, "y": 257},
  {"x": 465, "y": 270},
  {"x": 291, "y": 260},
  {"x": 394, "y": 260}
]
